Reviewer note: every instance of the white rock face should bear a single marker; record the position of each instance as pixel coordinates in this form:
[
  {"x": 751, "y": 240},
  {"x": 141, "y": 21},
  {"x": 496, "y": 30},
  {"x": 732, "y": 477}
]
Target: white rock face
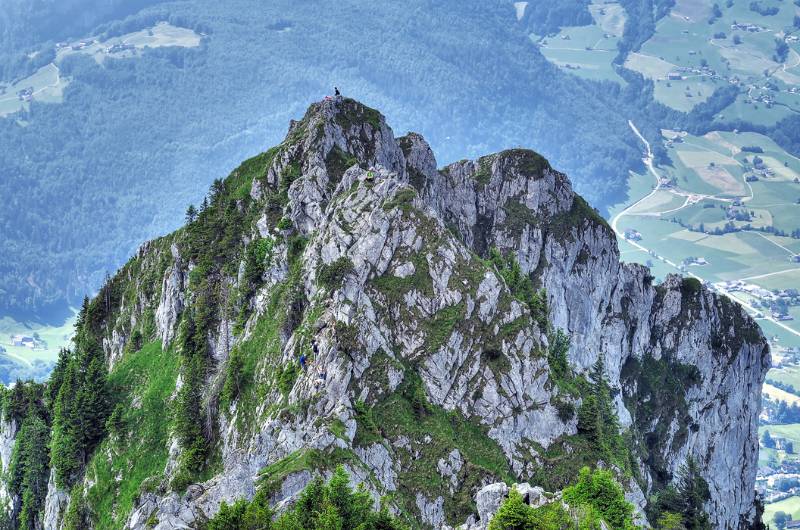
[
  {"x": 449, "y": 468},
  {"x": 172, "y": 300},
  {"x": 378, "y": 459},
  {"x": 8, "y": 432},
  {"x": 489, "y": 499},
  {"x": 431, "y": 511},
  {"x": 612, "y": 309},
  {"x": 55, "y": 505}
]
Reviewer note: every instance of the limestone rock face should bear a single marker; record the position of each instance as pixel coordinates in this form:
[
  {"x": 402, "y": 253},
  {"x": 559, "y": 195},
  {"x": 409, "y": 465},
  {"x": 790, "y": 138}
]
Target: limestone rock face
[
  {"x": 8, "y": 432},
  {"x": 613, "y": 312},
  {"x": 488, "y": 499},
  {"x": 55, "y": 505},
  {"x": 172, "y": 300},
  {"x": 416, "y": 293},
  {"x": 427, "y": 376}
]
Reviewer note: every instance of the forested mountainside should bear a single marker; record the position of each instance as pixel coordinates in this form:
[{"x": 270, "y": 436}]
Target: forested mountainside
[
  {"x": 339, "y": 307},
  {"x": 74, "y": 172}
]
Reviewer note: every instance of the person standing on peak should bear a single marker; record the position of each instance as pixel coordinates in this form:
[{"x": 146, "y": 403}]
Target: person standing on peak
[{"x": 336, "y": 92}]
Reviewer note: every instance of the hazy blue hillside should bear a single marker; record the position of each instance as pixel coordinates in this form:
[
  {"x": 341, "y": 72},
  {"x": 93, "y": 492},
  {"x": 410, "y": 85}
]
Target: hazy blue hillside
[
  {"x": 120, "y": 141},
  {"x": 137, "y": 140},
  {"x": 27, "y": 26}
]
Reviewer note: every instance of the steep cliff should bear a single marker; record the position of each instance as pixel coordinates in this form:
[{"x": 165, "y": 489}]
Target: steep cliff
[{"x": 340, "y": 300}]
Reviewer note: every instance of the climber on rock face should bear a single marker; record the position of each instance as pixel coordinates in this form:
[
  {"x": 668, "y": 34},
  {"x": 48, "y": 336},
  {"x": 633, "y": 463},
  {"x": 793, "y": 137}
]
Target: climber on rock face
[
  {"x": 303, "y": 361},
  {"x": 322, "y": 375}
]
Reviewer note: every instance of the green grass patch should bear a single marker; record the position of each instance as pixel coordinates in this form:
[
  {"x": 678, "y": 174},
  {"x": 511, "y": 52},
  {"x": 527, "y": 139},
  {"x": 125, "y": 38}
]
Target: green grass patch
[
  {"x": 563, "y": 223},
  {"x": 484, "y": 173},
  {"x": 529, "y": 163},
  {"x": 241, "y": 180},
  {"x": 395, "y": 287},
  {"x": 691, "y": 286},
  {"x": 441, "y": 326},
  {"x": 139, "y": 445},
  {"x": 243, "y": 381},
  {"x": 518, "y": 216},
  {"x": 402, "y": 199},
  {"x": 355, "y": 113},
  {"x": 367, "y": 431},
  {"x": 337, "y": 163},
  {"x": 521, "y": 286},
  {"x": 332, "y": 275},
  {"x": 313, "y": 460},
  {"x": 287, "y": 378},
  {"x": 407, "y": 412}
]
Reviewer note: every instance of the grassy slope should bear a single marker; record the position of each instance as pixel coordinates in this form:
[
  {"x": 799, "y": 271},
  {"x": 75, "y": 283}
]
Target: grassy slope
[{"x": 123, "y": 463}]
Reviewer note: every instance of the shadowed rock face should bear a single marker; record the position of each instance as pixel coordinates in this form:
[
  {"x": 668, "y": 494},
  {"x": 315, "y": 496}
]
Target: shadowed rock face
[{"x": 431, "y": 377}]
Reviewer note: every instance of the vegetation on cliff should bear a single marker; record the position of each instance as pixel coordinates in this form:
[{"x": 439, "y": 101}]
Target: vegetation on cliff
[{"x": 331, "y": 505}]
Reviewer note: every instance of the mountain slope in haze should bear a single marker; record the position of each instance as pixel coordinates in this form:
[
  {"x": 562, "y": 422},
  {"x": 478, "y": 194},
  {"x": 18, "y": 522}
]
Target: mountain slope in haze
[
  {"x": 338, "y": 300},
  {"x": 87, "y": 180}
]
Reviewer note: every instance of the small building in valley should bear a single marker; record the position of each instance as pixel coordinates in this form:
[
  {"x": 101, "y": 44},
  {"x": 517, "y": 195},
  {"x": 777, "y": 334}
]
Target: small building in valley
[
  {"x": 633, "y": 235},
  {"x": 23, "y": 341}
]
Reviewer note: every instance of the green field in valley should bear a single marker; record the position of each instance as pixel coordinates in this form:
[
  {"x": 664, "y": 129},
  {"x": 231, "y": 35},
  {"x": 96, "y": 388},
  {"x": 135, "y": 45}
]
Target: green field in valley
[
  {"x": 588, "y": 51},
  {"x": 32, "y": 362},
  {"x": 45, "y": 85},
  {"x": 790, "y": 505},
  {"x": 704, "y": 52}
]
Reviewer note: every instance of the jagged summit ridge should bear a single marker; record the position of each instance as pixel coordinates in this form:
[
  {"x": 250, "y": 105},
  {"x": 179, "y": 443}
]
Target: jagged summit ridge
[{"x": 429, "y": 306}]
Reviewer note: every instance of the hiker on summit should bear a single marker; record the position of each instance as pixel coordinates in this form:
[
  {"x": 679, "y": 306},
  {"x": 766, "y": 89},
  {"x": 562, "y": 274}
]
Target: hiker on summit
[{"x": 336, "y": 92}]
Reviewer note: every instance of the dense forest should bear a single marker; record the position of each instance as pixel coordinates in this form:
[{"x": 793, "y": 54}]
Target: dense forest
[{"x": 543, "y": 17}]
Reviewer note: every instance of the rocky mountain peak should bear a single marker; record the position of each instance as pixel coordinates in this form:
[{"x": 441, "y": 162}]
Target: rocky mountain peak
[{"x": 435, "y": 331}]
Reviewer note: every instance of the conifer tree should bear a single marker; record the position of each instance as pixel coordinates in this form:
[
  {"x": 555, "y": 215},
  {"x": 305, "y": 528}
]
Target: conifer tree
[
  {"x": 57, "y": 376},
  {"x": 693, "y": 490},
  {"x": 93, "y": 400},
  {"x": 17, "y": 402},
  {"x": 328, "y": 518},
  {"x": 29, "y": 470},
  {"x": 189, "y": 419},
  {"x": 36, "y": 470},
  {"x": 514, "y": 514},
  {"x": 310, "y": 502},
  {"x": 191, "y": 214},
  {"x": 321, "y": 506},
  {"x": 66, "y": 452}
]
